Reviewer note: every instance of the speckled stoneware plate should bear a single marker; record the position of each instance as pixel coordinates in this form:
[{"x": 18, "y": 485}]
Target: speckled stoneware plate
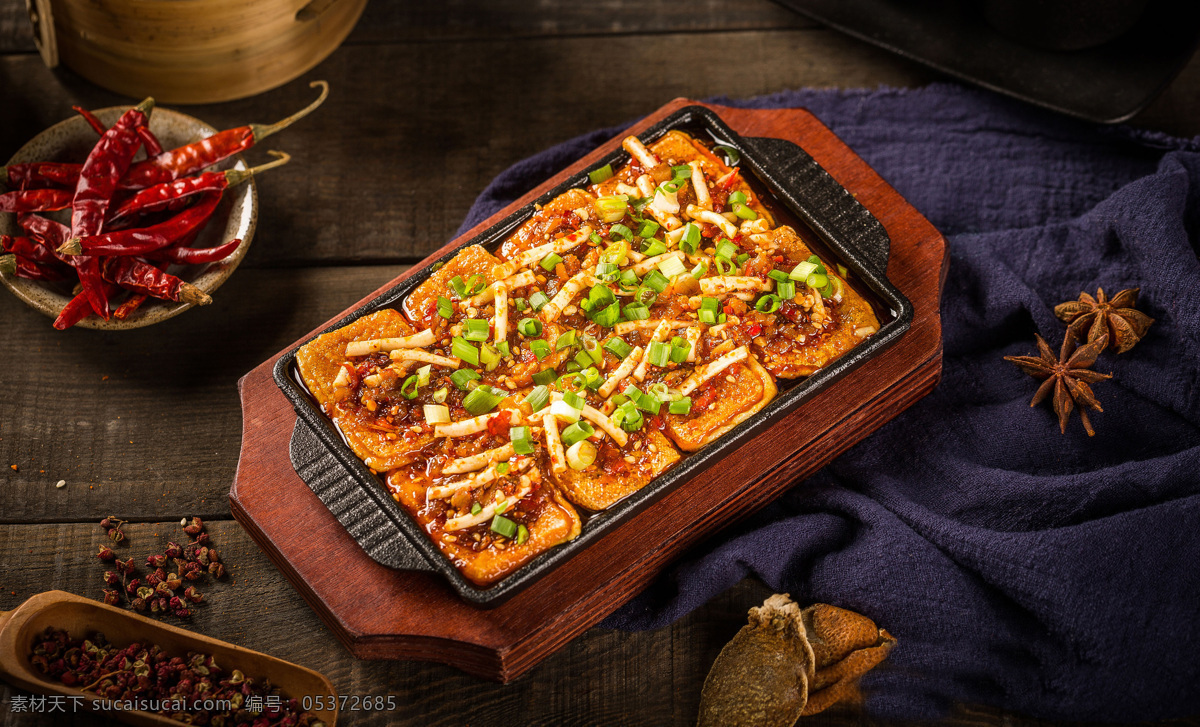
[{"x": 235, "y": 217}]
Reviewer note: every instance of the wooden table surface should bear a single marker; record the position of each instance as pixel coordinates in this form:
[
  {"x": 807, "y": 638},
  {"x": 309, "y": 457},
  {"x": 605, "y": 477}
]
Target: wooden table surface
[{"x": 429, "y": 102}]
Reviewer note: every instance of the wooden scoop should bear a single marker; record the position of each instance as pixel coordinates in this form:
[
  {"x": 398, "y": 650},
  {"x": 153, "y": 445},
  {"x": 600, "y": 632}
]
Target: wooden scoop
[{"x": 78, "y": 616}]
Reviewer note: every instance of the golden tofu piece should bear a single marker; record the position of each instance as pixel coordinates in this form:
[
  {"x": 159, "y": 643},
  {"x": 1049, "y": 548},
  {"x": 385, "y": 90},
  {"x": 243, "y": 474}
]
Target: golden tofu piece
[
  {"x": 380, "y": 444},
  {"x": 555, "y": 522},
  {"x": 719, "y": 405},
  {"x": 791, "y": 349},
  {"x": 612, "y": 477},
  {"x": 421, "y": 305},
  {"x": 545, "y": 224}
]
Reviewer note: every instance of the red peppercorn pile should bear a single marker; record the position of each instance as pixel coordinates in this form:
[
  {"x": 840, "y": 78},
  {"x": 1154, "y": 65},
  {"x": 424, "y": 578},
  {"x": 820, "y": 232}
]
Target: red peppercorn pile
[
  {"x": 159, "y": 593},
  {"x": 144, "y": 674}
]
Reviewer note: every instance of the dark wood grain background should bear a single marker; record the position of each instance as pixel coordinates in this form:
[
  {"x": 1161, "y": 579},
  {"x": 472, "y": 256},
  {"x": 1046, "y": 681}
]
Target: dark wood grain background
[{"x": 430, "y": 101}]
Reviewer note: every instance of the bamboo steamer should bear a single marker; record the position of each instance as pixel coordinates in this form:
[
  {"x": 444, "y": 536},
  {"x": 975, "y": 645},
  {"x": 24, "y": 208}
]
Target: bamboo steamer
[{"x": 190, "y": 51}]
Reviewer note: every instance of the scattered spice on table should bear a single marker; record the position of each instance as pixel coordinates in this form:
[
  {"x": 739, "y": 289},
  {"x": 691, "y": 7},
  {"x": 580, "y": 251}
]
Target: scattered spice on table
[
  {"x": 789, "y": 662},
  {"x": 177, "y": 686},
  {"x": 1090, "y": 318}
]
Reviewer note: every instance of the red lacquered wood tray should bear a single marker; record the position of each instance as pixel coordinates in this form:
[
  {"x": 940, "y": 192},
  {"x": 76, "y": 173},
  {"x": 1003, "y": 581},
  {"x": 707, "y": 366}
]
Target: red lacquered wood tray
[{"x": 379, "y": 612}]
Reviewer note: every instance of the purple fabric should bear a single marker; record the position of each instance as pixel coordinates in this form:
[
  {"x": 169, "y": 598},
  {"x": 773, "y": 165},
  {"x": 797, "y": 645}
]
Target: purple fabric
[{"x": 1052, "y": 575}]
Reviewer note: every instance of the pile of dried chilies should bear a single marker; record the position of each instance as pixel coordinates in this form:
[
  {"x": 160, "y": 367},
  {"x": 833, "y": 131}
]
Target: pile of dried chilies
[{"x": 129, "y": 221}]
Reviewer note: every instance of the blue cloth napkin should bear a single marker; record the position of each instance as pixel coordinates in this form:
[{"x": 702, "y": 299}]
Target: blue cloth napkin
[{"x": 1052, "y": 575}]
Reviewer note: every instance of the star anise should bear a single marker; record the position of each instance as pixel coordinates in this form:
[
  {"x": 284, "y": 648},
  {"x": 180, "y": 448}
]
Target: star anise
[
  {"x": 1068, "y": 375},
  {"x": 1098, "y": 316}
]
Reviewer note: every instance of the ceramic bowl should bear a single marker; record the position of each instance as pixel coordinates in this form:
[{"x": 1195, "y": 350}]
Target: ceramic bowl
[{"x": 235, "y": 217}]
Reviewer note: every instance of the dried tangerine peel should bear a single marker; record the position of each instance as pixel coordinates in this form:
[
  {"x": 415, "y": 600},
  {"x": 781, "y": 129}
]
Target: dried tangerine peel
[
  {"x": 846, "y": 646},
  {"x": 761, "y": 676}
]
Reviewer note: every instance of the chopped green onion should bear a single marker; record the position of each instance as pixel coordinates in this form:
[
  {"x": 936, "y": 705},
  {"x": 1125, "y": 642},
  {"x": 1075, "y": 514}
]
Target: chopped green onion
[
  {"x": 648, "y": 229},
  {"x": 564, "y": 411},
  {"x": 661, "y": 391},
  {"x": 612, "y": 209},
  {"x": 680, "y": 349},
  {"x": 600, "y": 296},
  {"x": 599, "y": 175},
  {"x": 700, "y": 269},
  {"x": 618, "y": 347},
  {"x": 574, "y": 400},
  {"x": 617, "y": 252},
  {"x": 439, "y": 396},
  {"x": 650, "y": 404},
  {"x": 423, "y": 374},
  {"x": 724, "y": 266},
  {"x": 838, "y": 284},
  {"x": 445, "y": 307},
  {"x": 802, "y": 271},
  {"x": 462, "y": 349},
  {"x": 538, "y": 300},
  {"x": 565, "y": 340},
  {"x": 437, "y": 266},
  {"x": 620, "y": 231},
  {"x": 777, "y": 275},
  {"x": 659, "y": 353},
  {"x": 732, "y": 156},
  {"x": 436, "y": 414},
  {"x": 545, "y": 377},
  {"x": 741, "y": 259},
  {"x": 744, "y": 212},
  {"x": 726, "y": 249},
  {"x": 592, "y": 347},
  {"x": 476, "y": 508},
  {"x": 591, "y": 378},
  {"x": 681, "y": 172},
  {"x": 503, "y": 526},
  {"x": 681, "y": 406},
  {"x": 550, "y": 262},
  {"x": 460, "y": 287},
  {"x": 522, "y": 441},
  {"x": 691, "y": 238},
  {"x": 711, "y": 304},
  {"x": 522, "y": 534},
  {"x": 608, "y": 316},
  {"x": 636, "y": 312},
  {"x": 577, "y": 432},
  {"x": 645, "y": 295},
  {"x": 816, "y": 280},
  {"x": 583, "y": 359},
  {"x": 737, "y": 197},
  {"x": 520, "y": 304},
  {"x": 629, "y": 280},
  {"x": 786, "y": 289},
  {"x": 842, "y": 270},
  {"x": 540, "y": 348},
  {"x": 672, "y": 267},
  {"x": 650, "y": 248},
  {"x": 827, "y": 291},
  {"x": 503, "y": 468},
  {"x": 538, "y": 397},
  {"x": 463, "y": 377},
  {"x": 476, "y": 330},
  {"x": 596, "y": 239},
  {"x": 638, "y": 203},
  {"x": 607, "y": 272},
  {"x": 656, "y": 281},
  {"x": 670, "y": 187},
  {"x": 618, "y": 399},
  {"x": 628, "y": 417},
  {"x": 767, "y": 304},
  {"x": 483, "y": 399},
  {"x": 410, "y": 387},
  {"x": 502, "y": 347},
  {"x": 475, "y": 284},
  {"x": 581, "y": 455},
  {"x": 530, "y": 327},
  {"x": 817, "y": 261}
]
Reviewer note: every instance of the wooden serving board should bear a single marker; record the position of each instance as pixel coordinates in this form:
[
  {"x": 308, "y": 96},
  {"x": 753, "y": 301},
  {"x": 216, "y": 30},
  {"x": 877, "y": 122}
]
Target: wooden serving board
[{"x": 380, "y": 613}]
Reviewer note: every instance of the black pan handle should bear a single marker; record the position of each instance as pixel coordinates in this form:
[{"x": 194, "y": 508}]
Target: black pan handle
[
  {"x": 337, "y": 488},
  {"x": 827, "y": 206}
]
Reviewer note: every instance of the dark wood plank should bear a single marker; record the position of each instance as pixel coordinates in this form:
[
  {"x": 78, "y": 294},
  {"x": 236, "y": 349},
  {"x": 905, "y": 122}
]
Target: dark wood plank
[
  {"x": 16, "y": 32},
  {"x": 506, "y": 641},
  {"x": 411, "y": 133},
  {"x": 146, "y": 423}
]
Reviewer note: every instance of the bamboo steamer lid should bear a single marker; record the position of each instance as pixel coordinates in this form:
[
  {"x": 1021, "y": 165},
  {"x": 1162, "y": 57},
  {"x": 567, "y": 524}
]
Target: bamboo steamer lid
[{"x": 191, "y": 51}]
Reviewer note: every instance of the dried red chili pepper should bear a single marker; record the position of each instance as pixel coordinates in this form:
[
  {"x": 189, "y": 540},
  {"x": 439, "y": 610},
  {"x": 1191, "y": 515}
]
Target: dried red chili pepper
[
  {"x": 36, "y": 200},
  {"x": 169, "y": 165},
  {"x": 146, "y": 279},
  {"x": 161, "y": 196},
  {"x": 26, "y": 268},
  {"x": 29, "y": 248},
  {"x": 153, "y": 145},
  {"x": 182, "y": 255},
  {"x": 79, "y": 307},
  {"x": 103, "y": 169},
  {"x": 145, "y": 239},
  {"x": 96, "y": 124}
]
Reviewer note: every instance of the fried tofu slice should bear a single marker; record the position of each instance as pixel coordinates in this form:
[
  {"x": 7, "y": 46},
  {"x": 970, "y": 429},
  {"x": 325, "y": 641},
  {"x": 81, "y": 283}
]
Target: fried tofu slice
[
  {"x": 613, "y": 477},
  {"x": 421, "y": 305},
  {"x": 378, "y": 443},
  {"x": 823, "y": 329},
  {"x": 721, "y": 404},
  {"x": 549, "y": 518},
  {"x": 552, "y": 220}
]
